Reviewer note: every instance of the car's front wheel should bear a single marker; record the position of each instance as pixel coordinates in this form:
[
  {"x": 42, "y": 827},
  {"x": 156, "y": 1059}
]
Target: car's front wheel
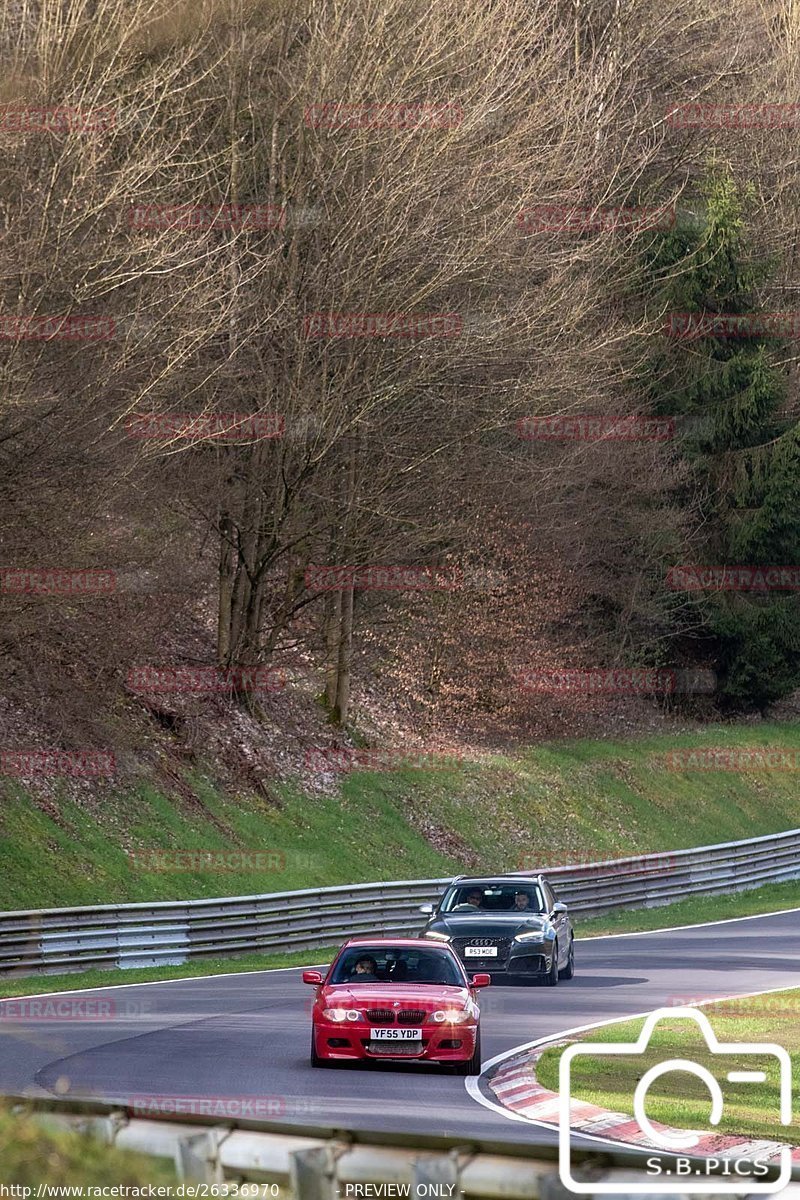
[
  {"x": 316, "y": 1061},
  {"x": 569, "y": 969},
  {"x": 473, "y": 1065},
  {"x": 551, "y": 978}
]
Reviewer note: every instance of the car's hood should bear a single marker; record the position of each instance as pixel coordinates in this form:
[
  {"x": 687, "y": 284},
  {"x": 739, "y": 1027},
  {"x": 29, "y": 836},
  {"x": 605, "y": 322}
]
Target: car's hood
[
  {"x": 489, "y": 924},
  {"x": 427, "y": 996}
]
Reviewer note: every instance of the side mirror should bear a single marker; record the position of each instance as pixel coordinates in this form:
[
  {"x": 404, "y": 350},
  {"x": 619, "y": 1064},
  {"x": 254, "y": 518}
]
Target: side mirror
[
  {"x": 427, "y": 909},
  {"x": 312, "y": 977},
  {"x": 558, "y": 907},
  {"x": 481, "y": 980}
]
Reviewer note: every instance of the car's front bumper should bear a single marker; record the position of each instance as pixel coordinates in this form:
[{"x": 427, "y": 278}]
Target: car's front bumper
[
  {"x": 351, "y": 1040},
  {"x": 518, "y": 961}
]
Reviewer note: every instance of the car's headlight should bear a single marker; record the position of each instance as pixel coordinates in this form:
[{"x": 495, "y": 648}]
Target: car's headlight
[
  {"x": 341, "y": 1014},
  {"x": 452, "y": 1016},
  {"x": 439, "y": 937},
  {"x": 535, "y": 935}
]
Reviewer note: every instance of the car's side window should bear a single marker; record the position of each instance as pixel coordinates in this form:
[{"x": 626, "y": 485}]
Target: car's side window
[{"x": 549, "y": 896}]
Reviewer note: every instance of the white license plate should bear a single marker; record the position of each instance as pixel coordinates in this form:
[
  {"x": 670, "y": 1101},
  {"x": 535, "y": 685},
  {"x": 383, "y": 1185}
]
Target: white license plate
[
  {"x": 480, "y": 951},
  {"x": 393, "y": 1034}
]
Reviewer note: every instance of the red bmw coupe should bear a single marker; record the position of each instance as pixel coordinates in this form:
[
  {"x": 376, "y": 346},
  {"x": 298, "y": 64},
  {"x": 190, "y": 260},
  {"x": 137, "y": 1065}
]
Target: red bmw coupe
[{"x": 396, "y": 998}]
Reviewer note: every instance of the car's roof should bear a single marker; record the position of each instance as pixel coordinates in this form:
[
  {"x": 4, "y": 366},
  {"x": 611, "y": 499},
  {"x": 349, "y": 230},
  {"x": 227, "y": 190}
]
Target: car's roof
[
  {"x": 414, "y": 943},
  {"x": 480, "y": 881}
]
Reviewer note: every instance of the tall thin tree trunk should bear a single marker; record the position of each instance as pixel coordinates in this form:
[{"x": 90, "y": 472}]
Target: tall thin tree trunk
[
  {"x": 229, "y": 568},
  {"x": 333, "y": 621},
  {"x": 226, "y": 583},
  {"x": 341, "y": 708}
]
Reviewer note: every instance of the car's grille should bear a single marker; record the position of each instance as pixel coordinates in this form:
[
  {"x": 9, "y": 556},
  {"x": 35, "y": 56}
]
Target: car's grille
[
  {"x": 503, "y": 946},
  {"x": 411, "y": 1016},
  {"x": 395, "y": 1049},
  {"x": 383, "y": 1016}
]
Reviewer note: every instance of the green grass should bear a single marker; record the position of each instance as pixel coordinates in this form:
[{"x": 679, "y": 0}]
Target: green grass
[
  {"x": 694, "y": 910},
  {"x": 680, "y": 1099},
  {"x": 31, "y": 1153},
  {"x": 33, "y": 985},
  {"x": 557, "y": 803}
]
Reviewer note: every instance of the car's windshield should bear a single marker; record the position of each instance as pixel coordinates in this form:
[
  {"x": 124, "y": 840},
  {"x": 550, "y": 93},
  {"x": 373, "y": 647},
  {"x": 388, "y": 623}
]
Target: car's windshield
[
  {"x": 387, "y": 964},
  {"x": 494, "y": 898}
]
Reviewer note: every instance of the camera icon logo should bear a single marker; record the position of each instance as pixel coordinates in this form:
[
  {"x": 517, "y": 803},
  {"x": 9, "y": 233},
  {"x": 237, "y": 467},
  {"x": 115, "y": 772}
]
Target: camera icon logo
[{"x": 691, "y": 1180}]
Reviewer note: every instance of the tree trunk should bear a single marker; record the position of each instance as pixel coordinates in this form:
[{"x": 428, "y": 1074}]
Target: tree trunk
[
  {"x": 341, "y": 708},
  {"x": 226, "y": 584}
]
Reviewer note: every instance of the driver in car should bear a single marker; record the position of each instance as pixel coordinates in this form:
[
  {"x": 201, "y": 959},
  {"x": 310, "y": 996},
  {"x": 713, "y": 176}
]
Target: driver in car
[
  {"x": 366, "y": 970},
  {"x": 521, "y": 901}
]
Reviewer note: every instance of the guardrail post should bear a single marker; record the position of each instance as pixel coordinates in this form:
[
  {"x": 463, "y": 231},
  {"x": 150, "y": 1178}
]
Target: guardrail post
[
  {"x": 313, "y": 1172},
  {"x": 440, "y": 1169},
  {"x": 197, "y": 1157}
]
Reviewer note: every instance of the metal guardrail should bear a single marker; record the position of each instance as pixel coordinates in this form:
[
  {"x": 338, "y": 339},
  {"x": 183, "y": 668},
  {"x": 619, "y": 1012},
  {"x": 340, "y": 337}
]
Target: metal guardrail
[
  {"x": 321, "y": 1163},
  {"x": 169, "y": 933}
]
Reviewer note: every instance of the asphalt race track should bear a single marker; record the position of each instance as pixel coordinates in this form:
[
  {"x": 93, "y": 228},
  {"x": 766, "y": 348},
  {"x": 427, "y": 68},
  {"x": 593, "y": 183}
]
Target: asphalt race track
[{"x": 247, "y": 1036}]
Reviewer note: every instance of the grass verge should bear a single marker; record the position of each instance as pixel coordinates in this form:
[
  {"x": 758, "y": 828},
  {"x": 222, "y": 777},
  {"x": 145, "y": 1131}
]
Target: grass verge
[
  {"x": 678, "y": 1098},
  {"x": 34, "y": 985},
  {"x": 694, "y": 910},
  {"x": 560, "y": 803},
  {"x": 31, "y": 1153}
]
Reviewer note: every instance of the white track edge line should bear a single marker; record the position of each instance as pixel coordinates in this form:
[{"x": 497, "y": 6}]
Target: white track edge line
[
  {"x": 472, "y": 1083},
  {"x": 781, "y": 912}
]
